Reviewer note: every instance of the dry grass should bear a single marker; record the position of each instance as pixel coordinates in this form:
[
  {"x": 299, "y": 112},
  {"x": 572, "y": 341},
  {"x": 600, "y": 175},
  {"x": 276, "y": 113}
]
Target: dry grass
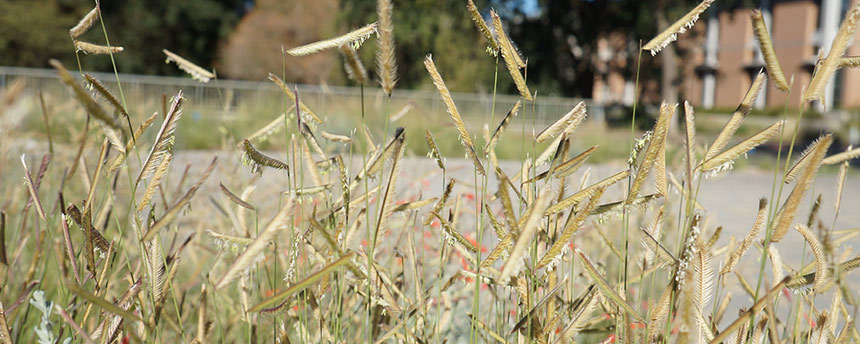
[
  {"x": 766, "y": 45},
  {"x": 109, "y": 239}
]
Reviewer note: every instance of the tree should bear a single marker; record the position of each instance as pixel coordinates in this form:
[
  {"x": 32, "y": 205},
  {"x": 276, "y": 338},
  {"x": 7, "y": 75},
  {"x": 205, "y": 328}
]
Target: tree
[
  {"x": 191, "y": 29},
  {"x": 561, "y": 42},
  {"x": 439, "y": 27},
  {"x": 32, "y": 32},
  {"x": 256, "y": 47}
]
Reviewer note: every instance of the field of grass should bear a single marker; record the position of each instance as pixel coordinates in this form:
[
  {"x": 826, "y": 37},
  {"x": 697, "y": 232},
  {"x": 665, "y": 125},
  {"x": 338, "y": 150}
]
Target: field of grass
[{"x": 342, "y": 224}]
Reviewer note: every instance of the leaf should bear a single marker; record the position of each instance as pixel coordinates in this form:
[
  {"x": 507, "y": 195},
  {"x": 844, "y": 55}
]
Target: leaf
[
  {"x": 586, "y": 192},
  {"x": 751, "y": 312},
  {"x": 101, "y": 303},
  {"x": 524, "y": 239},
  {"x": 235, "y": 198},
  {"x": 605, "y": 288},
  {"x": 302, "y": 284}
]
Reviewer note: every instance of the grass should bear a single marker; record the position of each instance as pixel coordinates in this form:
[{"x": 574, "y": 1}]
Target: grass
[{"x": 328, "y": 241}]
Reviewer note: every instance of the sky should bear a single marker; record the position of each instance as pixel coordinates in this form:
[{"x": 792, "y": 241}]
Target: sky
[{"x": 530, "y": 7}]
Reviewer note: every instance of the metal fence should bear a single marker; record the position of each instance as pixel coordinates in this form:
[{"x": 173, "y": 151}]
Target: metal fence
[{"x": 238, "y": 100}]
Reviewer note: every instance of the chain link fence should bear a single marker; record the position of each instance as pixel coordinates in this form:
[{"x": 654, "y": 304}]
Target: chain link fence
[{"x": 243, "y": 100}]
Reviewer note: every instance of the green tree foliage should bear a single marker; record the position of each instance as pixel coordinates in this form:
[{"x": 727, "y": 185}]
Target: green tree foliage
[
  {"x": 561, "y": 43},
  {"x": 440, "y": 27},
  {"x": 191, "y": 29},
  {"x": 559, "y": 39},
  {"x": 254, "y": 49},
  {"x": 32, "y": 32}
]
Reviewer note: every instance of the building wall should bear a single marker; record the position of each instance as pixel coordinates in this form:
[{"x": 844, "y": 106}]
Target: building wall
[
  {"x": 735, "y": 52},
  {"x": 851, "y": 78},
  {"x": 692, "y": 43},
  {"x": 793, "y": 28}
]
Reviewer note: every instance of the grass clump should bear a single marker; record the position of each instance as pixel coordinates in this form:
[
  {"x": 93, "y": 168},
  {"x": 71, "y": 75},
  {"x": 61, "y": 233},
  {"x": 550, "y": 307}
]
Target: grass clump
[{"x": 342, "y": 239}]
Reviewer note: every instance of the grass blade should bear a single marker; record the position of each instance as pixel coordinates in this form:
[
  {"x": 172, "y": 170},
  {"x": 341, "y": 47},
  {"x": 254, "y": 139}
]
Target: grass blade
[
  {"x": 566, "y": 123},
  {"x": 834, "y": 57},
  {"x": 85, "y": 24},
  {"x": 586, "y": 192},
  {"x": 328, "y": 269},
  {"x": 751, "y": 312},
  {"x": 658, "y": 140},
  {"x": 725, "y": 159},
  {"x": 524, "y": 239},
  {"x": 481, "y": 25},
  {"x": 822, "y": 274},
  {"x": 256, "y": 247},
  {"x": 553, "y": 255},
  {"x": 177, "y": 207},
  {"x": 236, "y": 199},
  {"x": 605, "y": 288},
  {"x": 386, "y": 65},
  {"x": 102, "y": 303},
  {"x": 5, "y": 336},
  {"x": 304, "y": 109},
  {"x": 737, "y": 117},
  {"x": 258, "y": 160}
]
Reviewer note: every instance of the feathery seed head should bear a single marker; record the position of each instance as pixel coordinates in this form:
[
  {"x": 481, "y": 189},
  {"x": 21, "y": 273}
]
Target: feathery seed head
[{"x": 85, "y": 24}]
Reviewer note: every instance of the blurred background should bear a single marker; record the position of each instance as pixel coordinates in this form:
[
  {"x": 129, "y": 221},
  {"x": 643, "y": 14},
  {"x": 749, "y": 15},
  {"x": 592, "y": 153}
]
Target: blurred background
[{"x": 586, "y": 49}]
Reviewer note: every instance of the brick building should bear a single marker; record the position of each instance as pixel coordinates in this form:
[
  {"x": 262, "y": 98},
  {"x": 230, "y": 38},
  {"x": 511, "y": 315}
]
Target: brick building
[
  {"x": 729, "y": 56},
  {"x": 721, "y": 57}
]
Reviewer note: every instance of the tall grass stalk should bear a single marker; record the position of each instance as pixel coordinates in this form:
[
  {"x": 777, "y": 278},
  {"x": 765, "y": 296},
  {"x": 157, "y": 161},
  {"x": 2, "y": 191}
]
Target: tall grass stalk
[{"x": 321, "y": 284}]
